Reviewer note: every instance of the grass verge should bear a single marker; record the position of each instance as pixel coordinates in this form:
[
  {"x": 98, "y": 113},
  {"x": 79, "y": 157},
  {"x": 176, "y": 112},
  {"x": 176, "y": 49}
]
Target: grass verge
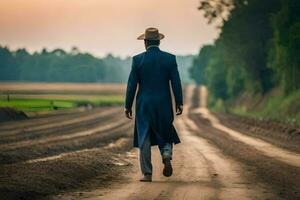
[
  {"x": 274, "y": 107},
  {"x": 45, "y": 103}
]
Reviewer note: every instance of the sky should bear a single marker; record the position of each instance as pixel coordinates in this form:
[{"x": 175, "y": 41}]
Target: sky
[{"x": 103, "y": 26}]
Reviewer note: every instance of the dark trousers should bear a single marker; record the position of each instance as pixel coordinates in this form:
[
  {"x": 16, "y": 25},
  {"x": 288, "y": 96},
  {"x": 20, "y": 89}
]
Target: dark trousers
[{"x": 145, "y": 154}]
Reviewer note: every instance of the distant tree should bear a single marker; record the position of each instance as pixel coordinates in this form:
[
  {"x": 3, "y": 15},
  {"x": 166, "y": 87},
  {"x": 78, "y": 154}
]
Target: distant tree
[
  {"x": 216, "y": 10},
  {"x": 59, "y": 52},
  {"x": 200, "y": 62},
  {"x": 8, "y": 65}
]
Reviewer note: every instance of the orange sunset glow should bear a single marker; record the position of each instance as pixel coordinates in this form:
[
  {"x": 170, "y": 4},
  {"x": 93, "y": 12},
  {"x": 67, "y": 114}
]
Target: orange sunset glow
[{"x": 103, "y": 26}]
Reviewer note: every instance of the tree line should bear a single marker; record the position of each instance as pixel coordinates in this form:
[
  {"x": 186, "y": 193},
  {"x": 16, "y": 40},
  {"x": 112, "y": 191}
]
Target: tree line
[
  {"x": 258, "y": 47},
  {"x": 61, "y": 66},
  {"x": 74, "y": 66}
]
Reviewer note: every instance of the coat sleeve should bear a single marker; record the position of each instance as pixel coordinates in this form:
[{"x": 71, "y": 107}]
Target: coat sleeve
[
  {"x": 176, "y": 83},
  {"x": 131, "y": 86}
]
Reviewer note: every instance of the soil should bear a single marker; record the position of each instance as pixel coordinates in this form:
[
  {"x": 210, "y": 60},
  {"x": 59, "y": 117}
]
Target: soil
[
  {"x": 10, "y": 114},
  {"x": 201, "y": 170},
  {"x": 54, "y": 154},
  {"x": 285, "y": 179},
  {"x": 278, "y": 133},
  {"x": 87, "y": 154}
]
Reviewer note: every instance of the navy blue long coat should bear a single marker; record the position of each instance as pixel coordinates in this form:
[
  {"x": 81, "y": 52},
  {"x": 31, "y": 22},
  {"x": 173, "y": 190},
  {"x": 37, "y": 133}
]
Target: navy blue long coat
[{"x": 152, "y": 71}]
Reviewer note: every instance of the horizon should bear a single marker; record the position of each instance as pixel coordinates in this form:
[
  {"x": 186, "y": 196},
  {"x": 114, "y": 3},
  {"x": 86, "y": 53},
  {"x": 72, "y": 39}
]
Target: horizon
[
  {"x": 83, "y": 52},
  {"x": 62, "y": 24}
]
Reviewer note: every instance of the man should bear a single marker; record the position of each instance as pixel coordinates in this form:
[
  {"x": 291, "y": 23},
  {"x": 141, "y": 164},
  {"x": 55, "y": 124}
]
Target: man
[{"x": 152, "y": 71}]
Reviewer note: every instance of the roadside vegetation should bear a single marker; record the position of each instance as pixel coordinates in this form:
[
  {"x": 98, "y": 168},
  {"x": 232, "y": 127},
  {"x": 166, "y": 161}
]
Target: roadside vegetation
[
  {"x": 279, "y": 107},
  {"x": 256, "y": 53}
]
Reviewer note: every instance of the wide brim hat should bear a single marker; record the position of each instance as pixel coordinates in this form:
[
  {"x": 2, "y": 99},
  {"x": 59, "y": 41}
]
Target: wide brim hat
[{"x": 151, "y": 34}]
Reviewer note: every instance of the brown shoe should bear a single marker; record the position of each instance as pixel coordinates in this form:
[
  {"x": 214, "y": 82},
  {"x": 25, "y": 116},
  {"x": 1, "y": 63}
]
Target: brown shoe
[
  {"x": 146, "y": 178},
  {"x": 168, "y": 170}
]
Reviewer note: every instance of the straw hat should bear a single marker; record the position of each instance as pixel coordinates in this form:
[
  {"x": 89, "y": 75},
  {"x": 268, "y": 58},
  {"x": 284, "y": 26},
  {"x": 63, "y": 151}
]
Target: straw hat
[{"x": 151, "y": 34}]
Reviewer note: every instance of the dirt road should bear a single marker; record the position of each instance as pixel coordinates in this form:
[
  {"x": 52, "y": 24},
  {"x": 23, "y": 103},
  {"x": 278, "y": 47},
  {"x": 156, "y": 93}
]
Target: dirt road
[
  {"x": 86, "y": 154},
  {"x": 201, "y": 171}
]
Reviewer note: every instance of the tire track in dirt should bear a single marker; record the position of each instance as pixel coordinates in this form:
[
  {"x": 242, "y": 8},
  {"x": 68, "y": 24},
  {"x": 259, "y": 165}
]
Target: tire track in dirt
[
  {"x": 79, "y": 169},
  {"x": 56, "y": 148},
  {"x": 226, "y": 174},
  {"x": 93, "y": 131},
  {"x": 286, "y": 156},
  {"x": 74, "y": 135},
  {"x": 119, "y": 143},
  {"x": 59, "y": 129},
  {"x": 45, "y": 118},
  {"x": 61, "y": 122},
  {"x": 106, "y": 139}
]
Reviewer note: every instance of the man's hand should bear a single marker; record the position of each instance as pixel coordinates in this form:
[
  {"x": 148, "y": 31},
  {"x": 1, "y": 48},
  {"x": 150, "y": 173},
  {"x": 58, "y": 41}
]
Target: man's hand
[
  {"x": 179, "y": 109},
  {"x": 128, "y": 113}
]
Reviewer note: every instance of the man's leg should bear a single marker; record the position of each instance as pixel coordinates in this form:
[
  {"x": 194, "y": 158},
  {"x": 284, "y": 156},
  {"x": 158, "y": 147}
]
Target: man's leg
[
  {"x": 145, "y": 156},
  {"x": 166, "y": 153},
  {"x": 166, "y": 150}
]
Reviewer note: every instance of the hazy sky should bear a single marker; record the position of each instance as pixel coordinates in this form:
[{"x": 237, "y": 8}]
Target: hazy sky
[{"x": 103, "y": 26}]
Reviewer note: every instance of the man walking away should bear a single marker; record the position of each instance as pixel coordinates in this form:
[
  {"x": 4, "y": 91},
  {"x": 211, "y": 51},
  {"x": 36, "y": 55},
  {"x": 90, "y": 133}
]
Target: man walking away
[{"x": 152, "y": 71}]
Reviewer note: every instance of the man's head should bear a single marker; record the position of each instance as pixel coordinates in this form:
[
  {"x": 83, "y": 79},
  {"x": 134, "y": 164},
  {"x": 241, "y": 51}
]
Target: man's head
[
  {"x": 151, "y": 43},
  {"x": 151, "y": 37}
]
